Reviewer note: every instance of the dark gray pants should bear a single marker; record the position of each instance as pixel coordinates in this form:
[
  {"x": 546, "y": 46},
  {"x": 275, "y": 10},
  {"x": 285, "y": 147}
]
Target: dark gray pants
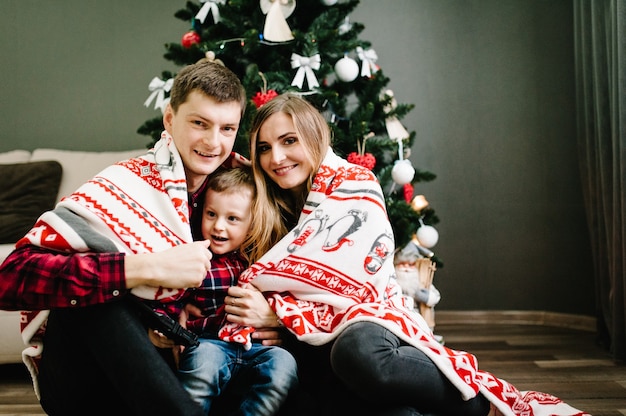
[
  {"x": 376, "y": 365},
  {"x": 98, "y": 360}
]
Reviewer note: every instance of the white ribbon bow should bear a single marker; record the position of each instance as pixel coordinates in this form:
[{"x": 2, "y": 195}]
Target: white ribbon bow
[
  {"x": 305, "y": 66},
  {"x": 159, "y": 88},
  {"x": 345, "y": 27},
  {"x": 209, "y": 5},
  {"x": 368, "y": 57}
]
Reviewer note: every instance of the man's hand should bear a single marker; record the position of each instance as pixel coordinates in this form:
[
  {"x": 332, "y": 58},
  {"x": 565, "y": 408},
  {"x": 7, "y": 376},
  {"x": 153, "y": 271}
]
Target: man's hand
[{"x": 179, "y": 267}]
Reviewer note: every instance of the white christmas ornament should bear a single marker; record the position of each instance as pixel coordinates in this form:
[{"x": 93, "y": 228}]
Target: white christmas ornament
[
  {"x": 402, "y": 172},
  {"x": 329, "y": 2},
  {"x": 427, "y": 236},
  {"x": 276, "y": 28},
  {"x": 346, "y": 69}
]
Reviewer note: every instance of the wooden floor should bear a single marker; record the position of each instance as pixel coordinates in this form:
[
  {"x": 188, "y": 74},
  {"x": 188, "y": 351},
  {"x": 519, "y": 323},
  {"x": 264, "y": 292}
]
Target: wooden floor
[{"x": 562, "y": 361}]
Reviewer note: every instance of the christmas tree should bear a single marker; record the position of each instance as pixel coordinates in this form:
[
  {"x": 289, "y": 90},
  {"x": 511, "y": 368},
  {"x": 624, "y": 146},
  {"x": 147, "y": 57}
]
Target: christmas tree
[{"x": 311, "y": 47}]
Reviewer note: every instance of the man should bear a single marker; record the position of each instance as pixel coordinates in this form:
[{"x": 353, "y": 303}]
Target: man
[{"x": 129, "y": 231}]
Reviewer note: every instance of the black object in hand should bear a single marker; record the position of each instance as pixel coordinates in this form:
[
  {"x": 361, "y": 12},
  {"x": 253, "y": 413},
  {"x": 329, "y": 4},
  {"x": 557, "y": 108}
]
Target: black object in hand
[{"x": 166, "y": 325}]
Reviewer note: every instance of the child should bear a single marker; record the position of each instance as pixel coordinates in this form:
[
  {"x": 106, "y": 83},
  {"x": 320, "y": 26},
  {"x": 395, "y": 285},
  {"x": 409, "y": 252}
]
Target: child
[{"x": 262, "y": 375}]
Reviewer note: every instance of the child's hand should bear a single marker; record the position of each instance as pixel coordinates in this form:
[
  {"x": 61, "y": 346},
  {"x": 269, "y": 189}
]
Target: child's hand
[
  {"x": 189, "y": 312},
  {"x": 268, "y": 336},
  {"x": 159, "y": 340}
]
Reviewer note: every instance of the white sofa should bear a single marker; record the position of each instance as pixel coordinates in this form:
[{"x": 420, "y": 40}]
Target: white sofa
[{"x": 77, "y": 168}]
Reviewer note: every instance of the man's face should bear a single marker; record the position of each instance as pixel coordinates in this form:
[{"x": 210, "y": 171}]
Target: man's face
[{"x": 204, "y": 132}]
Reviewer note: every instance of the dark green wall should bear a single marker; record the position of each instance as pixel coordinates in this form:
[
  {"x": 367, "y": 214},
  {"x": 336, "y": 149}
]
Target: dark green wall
[{"x": 493, "y": 85}]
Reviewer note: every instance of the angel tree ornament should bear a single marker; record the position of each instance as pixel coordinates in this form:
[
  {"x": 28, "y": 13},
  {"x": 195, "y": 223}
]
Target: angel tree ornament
[
  {"x": 276, "y": 28},
  {"x": 209, "y": 6},
  {"x": 305, "y": 66},
  {"x": 402, "y": 172},
  {"x": 395, "y": 129},
  {"x": 346, "y": 69},
  {"x": 369, "y": 58}
]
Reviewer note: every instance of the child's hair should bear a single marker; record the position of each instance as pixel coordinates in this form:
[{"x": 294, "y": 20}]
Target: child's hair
[
  {"x": 276, "y": 206},
  {"x": 231, "y": 180},
  {"x": 235, "y": 181},
  {"x": 210, "y": 78}
]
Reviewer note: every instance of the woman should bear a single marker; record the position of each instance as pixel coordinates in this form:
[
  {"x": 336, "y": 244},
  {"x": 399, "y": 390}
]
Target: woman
[{"x": 328, "y": 274}]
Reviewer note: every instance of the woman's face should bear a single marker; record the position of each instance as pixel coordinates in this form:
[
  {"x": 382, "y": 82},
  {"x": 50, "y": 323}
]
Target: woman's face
[{"x": 281, "y": 153}]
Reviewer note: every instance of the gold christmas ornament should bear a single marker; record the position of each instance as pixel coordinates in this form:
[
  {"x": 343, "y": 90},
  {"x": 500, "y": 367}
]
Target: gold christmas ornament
[{"x": 419, "y": 203}]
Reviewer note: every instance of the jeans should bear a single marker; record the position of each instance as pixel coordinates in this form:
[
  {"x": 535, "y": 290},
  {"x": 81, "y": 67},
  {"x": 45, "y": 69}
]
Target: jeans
[
  {"x": 98, "y": 360},
  {"x": 379, "y": 367},
  {"x": 262, "y": 377}
]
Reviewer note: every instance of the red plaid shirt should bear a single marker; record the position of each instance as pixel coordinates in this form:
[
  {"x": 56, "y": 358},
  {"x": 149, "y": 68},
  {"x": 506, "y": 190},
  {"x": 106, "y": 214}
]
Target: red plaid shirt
[
  {"x": 225, "y": 271},
  {"x": 32, "y": 278}
]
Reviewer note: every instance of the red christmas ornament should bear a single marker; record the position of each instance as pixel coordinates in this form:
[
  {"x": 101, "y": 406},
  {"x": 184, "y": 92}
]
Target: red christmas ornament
[
  {"x": 261, "y": 98},
  {"x": 408, "y": 192},
  {"x": 367, "y": 160},
  {"x": 190, "y": 38},
  {"x": 264, "y": 95}
]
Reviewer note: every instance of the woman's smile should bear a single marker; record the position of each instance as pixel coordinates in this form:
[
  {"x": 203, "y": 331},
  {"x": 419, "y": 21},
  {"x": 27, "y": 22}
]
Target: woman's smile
[{"x": 284, "y": 170}]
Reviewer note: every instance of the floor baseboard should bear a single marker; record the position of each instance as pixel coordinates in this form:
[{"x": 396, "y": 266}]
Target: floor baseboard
[{"x": 582, "y": 322}]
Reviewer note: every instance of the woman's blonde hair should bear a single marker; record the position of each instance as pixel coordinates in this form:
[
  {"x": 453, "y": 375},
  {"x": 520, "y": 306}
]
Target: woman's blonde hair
[{"x": 277, "y": 208}]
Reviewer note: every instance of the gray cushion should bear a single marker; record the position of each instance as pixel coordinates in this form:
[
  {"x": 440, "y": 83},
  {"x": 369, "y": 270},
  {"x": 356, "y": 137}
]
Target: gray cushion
[{"x": 26, "y": 191}]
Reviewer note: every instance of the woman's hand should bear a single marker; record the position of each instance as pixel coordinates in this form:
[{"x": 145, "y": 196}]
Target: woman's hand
[{"x": 247, "y": 306}]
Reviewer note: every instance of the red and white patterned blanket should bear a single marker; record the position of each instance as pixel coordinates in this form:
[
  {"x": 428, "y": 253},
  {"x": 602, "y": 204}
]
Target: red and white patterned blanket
[
  {"x": 336, "y": 268},
  {"x": 135, "y": 206}
]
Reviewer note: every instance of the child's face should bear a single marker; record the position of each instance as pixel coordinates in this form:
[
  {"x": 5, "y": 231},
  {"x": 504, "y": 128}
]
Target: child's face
[
  {"x": 204, "y": 132},
  {"x": 226, "y": 219}
]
